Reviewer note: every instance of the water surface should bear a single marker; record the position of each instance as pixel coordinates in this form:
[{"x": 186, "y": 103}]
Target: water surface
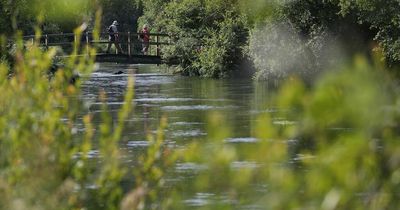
[{"x": 187, "y": 102}]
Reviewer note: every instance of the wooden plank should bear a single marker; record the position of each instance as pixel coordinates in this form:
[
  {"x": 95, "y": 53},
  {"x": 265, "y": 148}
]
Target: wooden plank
[{"x": 133, "y": 59}]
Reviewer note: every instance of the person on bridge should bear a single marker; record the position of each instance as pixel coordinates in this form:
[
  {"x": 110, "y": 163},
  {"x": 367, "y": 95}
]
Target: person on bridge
[
  {"x": 113, "y": 37},
  {"x": 145, "y": 37}
]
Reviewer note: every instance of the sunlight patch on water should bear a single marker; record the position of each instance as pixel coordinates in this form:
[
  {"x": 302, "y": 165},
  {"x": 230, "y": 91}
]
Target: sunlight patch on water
[
  {"x": 141, "y": 119},
  {"x": 153, "y": 75},
  {"x": 303, "y": 157},
  {"x": 163, "y": 99},
  {"x": 270, "y": 110},
  {"x": 190, "y": 133},
  {"x": 90, "y": 155},
  {"x": 283, "y": 122},
  {"x": 195, "y": 107},
  {"x": 93, "y": 154},
  {"x": 189, "y": 167},
  {"x": 186, "y": 108},
  {"x": 108, "y": 103},
  {"x": 105, "y": 74},
  {"x": 244, "y": 164},
  {"x": 341, "y": 129},
  {"x": 187, "y": 123},
  {"x": 119, "y": 83},
  {"x": 137, "y": 144},
  {"x": 200, "y": 199},
  {"x": 150, "y": 81},
  {"x": 242, "y": 140}
]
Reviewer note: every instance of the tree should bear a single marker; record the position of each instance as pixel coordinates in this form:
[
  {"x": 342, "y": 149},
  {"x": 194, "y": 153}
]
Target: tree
[{"x": 208, "y": 35}]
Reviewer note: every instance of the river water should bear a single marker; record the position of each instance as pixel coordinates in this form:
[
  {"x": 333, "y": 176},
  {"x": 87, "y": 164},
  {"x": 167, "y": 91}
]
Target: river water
[{"x": 187, "y": 103}]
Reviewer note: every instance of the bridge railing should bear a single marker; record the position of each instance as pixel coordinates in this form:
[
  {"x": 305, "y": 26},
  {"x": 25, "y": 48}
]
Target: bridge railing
[
  {"x": 132, "y": 44},
  {"x": 129, "y": 41}
]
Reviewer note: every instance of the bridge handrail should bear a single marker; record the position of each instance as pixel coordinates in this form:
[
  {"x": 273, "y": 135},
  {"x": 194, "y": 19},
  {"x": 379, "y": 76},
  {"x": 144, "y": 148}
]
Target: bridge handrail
[
  {"x": 89, "y": 33},
  {"x": 129, "y": 38},
  {"x": 48, "y": 35}
]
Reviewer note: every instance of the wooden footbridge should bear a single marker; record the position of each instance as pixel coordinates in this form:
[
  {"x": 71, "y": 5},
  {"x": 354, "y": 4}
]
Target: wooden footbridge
[{"x": 130, "y": 43}]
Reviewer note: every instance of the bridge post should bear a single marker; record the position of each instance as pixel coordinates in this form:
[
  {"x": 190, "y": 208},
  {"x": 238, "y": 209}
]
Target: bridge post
[
  {"x": 87, "y": 42},
  {"x": 158, "y": 46},
  {"x": 46, "y": 41},
  {"x": 129, "y": 43}
]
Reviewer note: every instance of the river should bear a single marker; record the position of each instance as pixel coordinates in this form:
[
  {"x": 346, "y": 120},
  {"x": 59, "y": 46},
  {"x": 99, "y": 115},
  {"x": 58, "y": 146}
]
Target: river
[{"x": 187, "y": 102}]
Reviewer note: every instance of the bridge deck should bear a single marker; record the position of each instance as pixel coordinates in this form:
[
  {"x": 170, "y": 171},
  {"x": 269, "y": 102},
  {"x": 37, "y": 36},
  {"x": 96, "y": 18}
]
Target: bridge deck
[{"x": 133, "y": 59}]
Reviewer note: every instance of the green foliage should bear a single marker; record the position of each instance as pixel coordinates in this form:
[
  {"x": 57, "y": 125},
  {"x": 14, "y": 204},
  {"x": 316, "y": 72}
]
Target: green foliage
[
  {"x": 348, "y": 120},
  {"x": 43, "y": 159},
  {"x": 125, "y": 12},
  {"x": 15, "y": 14},
  {"x": 153, "y": 14},
  {"x": 315, "y": 35},
  {"x": 63, "y": 15},
  {"x": 257, "y": 11},
  {"x": 221, "y": 50},
  {"x": 208, "y": 35},
  {"x": 382, "y": 17}
]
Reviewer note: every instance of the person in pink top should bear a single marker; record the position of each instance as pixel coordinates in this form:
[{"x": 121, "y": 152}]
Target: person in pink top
[{"x": 145, "y": 37}]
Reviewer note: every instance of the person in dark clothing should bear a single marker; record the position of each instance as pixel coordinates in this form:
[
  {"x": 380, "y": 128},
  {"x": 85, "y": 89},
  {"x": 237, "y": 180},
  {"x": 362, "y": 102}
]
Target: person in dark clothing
[{"x": 113, "y": 37}]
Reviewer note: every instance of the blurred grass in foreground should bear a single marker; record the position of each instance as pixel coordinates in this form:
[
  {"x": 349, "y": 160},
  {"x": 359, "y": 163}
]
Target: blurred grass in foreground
[{"x": 342, "y": 152}]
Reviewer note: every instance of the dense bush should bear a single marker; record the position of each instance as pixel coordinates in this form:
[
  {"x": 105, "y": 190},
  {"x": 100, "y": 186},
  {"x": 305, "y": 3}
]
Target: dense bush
[
  {"x": 382, "y": 18},
  {"x": 208, "y": 35}
]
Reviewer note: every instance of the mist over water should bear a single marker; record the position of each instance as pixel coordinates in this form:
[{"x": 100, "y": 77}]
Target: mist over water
[{"x": 278, "y": 51}]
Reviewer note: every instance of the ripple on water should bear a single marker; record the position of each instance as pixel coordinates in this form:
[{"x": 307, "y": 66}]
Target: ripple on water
[
  {"x": 187, "y": 108},
  {"x": 163, "y": 99},
  {"x": 109, "y": 103},
  {"x": 150, "y": 81},
  {"x": 119, "y": 83},
  {"x": 187, "y": 123},
  {"x": 190, "y": 133},
  {"x": 153, "y": 75},
  {"x": 189, "y": 167},
  {"x": 196, "y": 107},
  {"x": 200, "y": 199},
  {"x": 105, "y": 74},
  {"x": 283, "y": 122},
  {"x": 244, "y": 164},
  {"x": 90, "y": 155},
  {"x": 138, "y": 144},
  {"x": 270, "y": 110},
  {"x": 242, "y": 140}
]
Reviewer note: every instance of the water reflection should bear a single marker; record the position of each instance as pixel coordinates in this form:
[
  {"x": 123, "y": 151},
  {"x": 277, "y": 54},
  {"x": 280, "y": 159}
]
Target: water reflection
[{"x": 187, "y": 103}]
